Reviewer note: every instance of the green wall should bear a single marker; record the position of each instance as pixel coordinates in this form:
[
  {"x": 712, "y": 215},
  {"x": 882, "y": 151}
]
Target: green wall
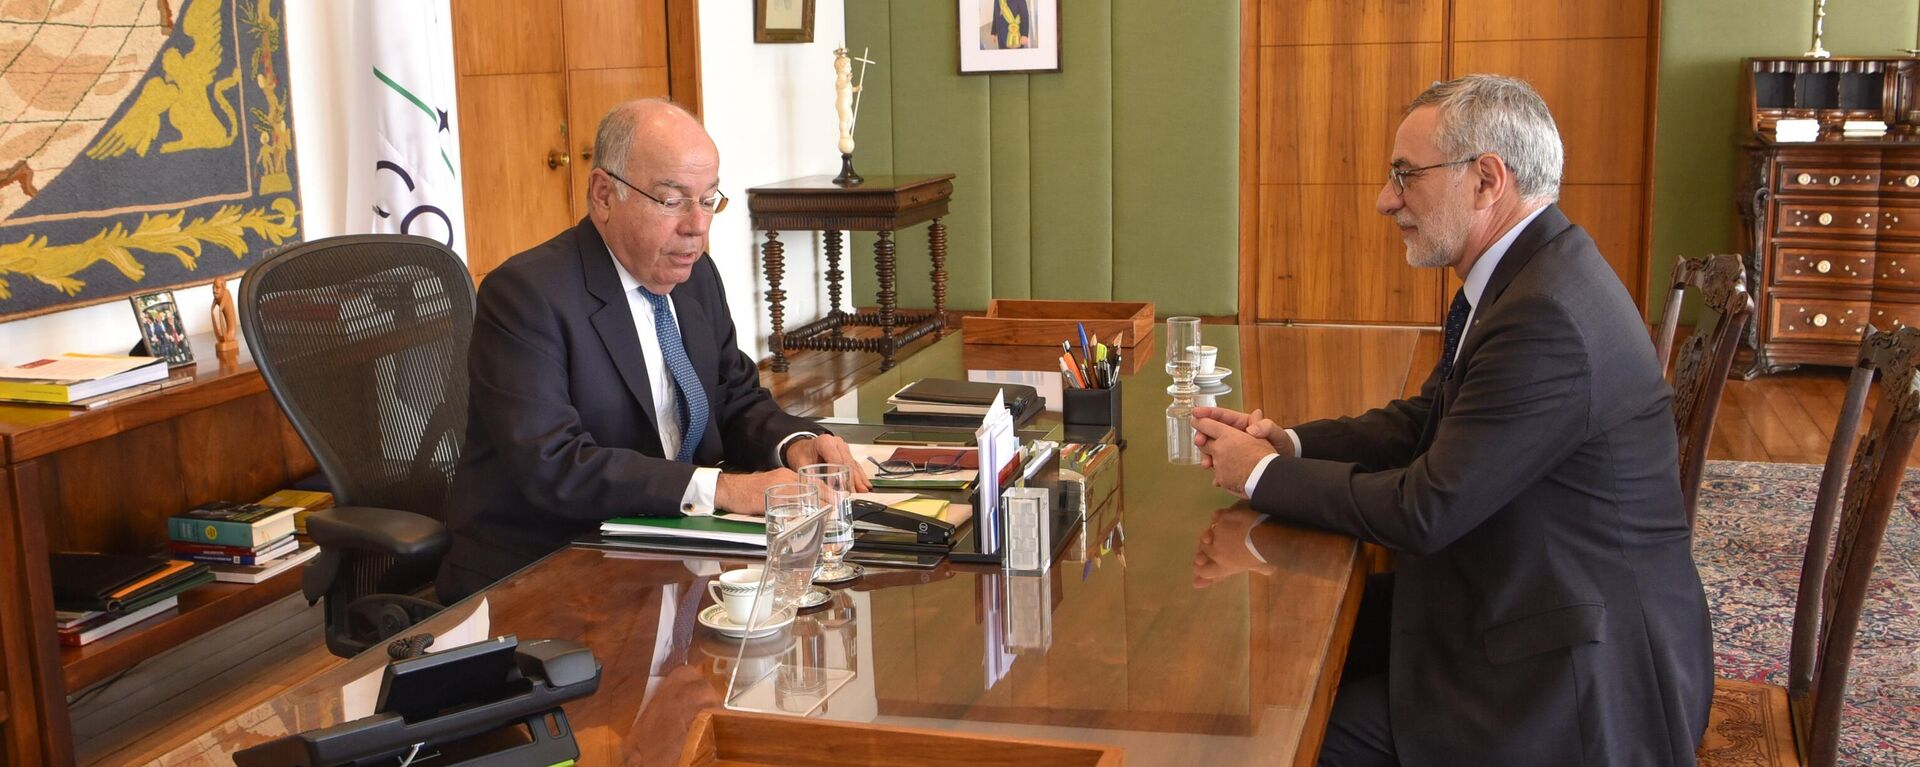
[
  {"x": 1695, "y": 159},
  {"x": 1112, "y": 179}
]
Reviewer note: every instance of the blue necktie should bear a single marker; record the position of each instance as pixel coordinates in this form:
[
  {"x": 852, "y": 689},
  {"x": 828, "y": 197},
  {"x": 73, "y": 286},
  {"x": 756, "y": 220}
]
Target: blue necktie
[
  {"x": 692, "y": 401},
  {"x": 1456, "y": 327}
]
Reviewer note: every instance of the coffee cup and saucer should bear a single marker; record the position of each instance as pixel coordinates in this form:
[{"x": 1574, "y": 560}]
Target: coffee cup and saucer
[{"x": 734, "y": 593}]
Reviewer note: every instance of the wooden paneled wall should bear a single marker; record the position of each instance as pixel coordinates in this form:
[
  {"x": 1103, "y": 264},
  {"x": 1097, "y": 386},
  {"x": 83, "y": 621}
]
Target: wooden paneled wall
[{"x": 1323, "y": 83}]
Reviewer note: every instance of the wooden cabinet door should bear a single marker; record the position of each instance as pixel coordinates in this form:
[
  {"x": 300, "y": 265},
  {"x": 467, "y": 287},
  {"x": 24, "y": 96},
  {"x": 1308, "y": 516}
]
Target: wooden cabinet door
[
  {"x": 513, "y": 125},
  {"x": 535, "y": 79},
  {"x": 616, "y": 51}
]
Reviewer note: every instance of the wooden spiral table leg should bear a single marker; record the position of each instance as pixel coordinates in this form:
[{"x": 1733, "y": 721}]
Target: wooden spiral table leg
[
  {"x": 773, "y": 262},
  {"x": 937, "y": 248},
  {"x": 834, "y": 276},
  {"x": 883, "y": 263}
]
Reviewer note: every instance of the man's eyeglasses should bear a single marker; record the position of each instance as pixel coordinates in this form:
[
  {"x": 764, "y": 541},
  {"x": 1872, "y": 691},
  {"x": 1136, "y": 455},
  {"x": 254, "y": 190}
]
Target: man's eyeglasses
[
  {"x": 679, "y": 206},
  {"x": 1399, "y": 175},
  {"x": 897, "y": 468}
]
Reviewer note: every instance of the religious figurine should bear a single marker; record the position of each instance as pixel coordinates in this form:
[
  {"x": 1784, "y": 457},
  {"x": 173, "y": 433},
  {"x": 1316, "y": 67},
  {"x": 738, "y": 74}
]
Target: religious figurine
[{"x": 846, "y": 103}]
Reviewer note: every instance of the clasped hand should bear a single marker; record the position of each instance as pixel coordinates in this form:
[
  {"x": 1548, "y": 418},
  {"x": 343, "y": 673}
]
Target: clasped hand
[{"x": 1232, "y": 443}]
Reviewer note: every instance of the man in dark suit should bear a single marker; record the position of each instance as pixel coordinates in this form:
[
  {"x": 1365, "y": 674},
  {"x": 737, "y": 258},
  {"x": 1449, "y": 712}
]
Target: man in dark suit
[
  {"x": 1544, "y": 607},
  {"x": 605, "y": 377}
]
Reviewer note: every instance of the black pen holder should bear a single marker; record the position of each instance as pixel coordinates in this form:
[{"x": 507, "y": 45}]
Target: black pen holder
[{"x": 1091, "y": 412}]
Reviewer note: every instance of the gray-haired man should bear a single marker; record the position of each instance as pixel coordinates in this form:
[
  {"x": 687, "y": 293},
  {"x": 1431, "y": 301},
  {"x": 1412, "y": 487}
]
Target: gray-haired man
[{"x": 1545, "y": 608}]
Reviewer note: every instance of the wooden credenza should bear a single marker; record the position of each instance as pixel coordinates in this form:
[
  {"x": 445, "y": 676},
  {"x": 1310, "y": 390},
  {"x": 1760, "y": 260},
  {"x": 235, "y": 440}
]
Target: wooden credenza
[
  {"x": 1831, "y": 228},
  {"x": 106, "y": 480}
]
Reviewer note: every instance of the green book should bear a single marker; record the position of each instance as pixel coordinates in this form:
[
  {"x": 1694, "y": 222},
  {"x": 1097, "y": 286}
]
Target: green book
[{"x": 731, "y": 528}]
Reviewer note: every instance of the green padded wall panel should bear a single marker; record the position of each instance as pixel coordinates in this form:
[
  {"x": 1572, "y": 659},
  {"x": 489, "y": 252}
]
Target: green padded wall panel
[
  {"x": 1073, "y": 160},
  {"x": 1113, "y": 178},
  {"x": 1178, "y": 86},
  {"x": 1011, "y": 188}
]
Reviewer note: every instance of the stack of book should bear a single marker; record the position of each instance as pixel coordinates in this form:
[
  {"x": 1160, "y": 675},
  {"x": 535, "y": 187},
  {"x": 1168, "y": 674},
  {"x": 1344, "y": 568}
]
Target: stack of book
[
  {"x": 239, "y": 542},
  {"x": 83, "y": 381},
  {"x": 96, "y": 595},
  {"x": 942, "y": 402}
]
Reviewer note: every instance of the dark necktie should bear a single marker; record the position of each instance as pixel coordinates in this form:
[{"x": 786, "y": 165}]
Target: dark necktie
[
  {"x": 1456, "y": 327},
  {"x": 692, "y": 402}
]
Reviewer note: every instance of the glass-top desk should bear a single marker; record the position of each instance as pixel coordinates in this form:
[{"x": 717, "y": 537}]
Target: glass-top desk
[{"x": 1115, "y": 644}]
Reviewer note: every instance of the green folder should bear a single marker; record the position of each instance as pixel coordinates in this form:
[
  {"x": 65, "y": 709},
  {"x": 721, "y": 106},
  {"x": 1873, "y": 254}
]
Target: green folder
[{"x": 698, "y": 527}]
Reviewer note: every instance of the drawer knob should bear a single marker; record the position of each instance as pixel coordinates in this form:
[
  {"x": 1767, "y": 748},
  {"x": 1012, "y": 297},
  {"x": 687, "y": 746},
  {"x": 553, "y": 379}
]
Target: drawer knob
[
  {"x": 1824, "y": 266},
  {"x": 1805, "y": 178},
  {"x": 1820, "y": 320},
  {"x": 1833, "y": 181},
  {"x": 1826, "y": 218},
  {"x": 1912, "y": 180}
]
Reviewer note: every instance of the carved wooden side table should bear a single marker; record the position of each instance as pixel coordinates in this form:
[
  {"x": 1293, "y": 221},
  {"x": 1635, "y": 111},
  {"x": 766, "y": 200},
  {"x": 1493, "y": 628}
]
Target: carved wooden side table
[{"x": 883, "y": 204}]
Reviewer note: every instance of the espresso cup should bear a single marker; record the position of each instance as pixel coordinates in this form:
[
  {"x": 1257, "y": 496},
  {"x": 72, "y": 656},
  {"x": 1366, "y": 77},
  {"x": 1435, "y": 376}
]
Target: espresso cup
[
  {"x": 736, "y": 590},
  {"x": 1204, "y": 358}
]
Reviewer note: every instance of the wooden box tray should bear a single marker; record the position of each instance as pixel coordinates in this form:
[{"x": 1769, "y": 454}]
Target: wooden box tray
[
  {"x": 738, "y": 739},
  {"x": 1047, "y": 323}
]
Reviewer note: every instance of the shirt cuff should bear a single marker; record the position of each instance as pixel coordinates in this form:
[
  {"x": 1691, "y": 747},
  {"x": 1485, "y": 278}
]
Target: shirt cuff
[
  {"x": 1295, "y": 436},
  {"x": 780, "y": 452},
  {"x": 697, "y": 501},
  {"x": 1253, "y": 479},
  {"x": 1256, "y": 525}
]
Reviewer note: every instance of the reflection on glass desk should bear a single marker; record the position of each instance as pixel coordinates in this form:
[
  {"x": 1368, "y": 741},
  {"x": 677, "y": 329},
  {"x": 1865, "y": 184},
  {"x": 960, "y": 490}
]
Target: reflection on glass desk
[{"x": 1117, "y": 644}]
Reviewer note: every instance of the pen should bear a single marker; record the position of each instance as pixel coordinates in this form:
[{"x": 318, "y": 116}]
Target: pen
[{"x": 1083, "y": 338}]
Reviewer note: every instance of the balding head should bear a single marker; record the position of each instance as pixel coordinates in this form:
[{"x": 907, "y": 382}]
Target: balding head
[
  {"x": 659, "y": 149},
  {"x": 659, "y": 126}
]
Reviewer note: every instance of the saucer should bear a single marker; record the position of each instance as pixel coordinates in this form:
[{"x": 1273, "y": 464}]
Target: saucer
[
  {"x": 1212, "y": 379},
  {"x": 715, "y": 617}
]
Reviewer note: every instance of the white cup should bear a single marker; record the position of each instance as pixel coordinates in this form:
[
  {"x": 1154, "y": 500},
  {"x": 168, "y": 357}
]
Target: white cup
[
  {"x": 1205, "y": 357},
  {"x": 735, "y": 590}
]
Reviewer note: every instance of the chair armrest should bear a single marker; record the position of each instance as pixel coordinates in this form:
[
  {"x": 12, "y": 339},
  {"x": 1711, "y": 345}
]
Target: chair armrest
[{"x": 400, "y": 534}]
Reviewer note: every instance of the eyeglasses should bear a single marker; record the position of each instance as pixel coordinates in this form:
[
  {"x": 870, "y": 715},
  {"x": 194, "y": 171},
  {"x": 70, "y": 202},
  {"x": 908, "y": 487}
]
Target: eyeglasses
[
  {"x": 1399, "y": 175},
  {"x": 679, "y": 206},
  {"x": 897, "y": 468}
]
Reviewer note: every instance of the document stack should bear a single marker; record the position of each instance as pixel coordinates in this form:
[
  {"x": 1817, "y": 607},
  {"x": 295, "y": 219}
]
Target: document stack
[
  {"x": 241, "y": 542},
  {"x": 95, "y": 595},
  {"x": 1796, "y": 130},
  {"x": 79, "y": 380},
  {"x": 1864, "y": 129}
]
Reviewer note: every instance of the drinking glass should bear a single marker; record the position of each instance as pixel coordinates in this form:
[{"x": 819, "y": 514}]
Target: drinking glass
[
  {"x": 1180, "y": 433},
  {"x": 793, "y": 542},
  {"x": 1183, "y": 352},
  {"x": 836, "y": 494}
]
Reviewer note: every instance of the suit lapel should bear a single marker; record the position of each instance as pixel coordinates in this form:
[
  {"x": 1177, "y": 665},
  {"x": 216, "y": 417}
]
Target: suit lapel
[
  {"x": 1542, "y": 230},
  {"x": 614, "y": 320}
]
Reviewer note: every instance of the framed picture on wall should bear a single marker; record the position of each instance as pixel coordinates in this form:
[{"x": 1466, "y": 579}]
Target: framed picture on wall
[
  {"x": 1009, "y": 36},
  {"x": 783, "y": 21},
  {"x": 161, "y": 329}
]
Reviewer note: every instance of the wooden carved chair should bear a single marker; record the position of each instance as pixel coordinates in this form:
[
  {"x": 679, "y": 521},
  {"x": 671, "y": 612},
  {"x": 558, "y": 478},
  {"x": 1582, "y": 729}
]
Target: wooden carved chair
[
  {"x": 1705, "y": 358},
  {"x": 1761, "y": 724}
]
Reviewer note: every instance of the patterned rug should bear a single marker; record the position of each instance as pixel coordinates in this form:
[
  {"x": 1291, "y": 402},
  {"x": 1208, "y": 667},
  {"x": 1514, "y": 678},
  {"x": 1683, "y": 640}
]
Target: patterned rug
[{"x": 1751, "y": 534}]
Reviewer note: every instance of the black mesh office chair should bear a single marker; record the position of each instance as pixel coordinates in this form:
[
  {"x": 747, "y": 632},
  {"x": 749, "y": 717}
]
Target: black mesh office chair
[{"x": 363, "y": 341}]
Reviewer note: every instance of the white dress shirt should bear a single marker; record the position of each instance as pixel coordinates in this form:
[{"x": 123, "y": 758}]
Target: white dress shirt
[
  {"x": 698, "y": 498},
  {"x": 1473, "y": 286}
]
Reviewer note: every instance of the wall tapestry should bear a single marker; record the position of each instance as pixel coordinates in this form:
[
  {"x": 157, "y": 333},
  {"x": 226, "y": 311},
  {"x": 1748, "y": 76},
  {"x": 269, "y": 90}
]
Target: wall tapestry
[{"x": 144, "y": 145}]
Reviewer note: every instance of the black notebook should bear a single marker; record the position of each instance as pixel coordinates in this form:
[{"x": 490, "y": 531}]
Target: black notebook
[{"x": 944, "y": 402}]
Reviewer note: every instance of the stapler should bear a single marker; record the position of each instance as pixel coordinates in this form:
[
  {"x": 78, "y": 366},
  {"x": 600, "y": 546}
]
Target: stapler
[{"x": 926, "y": 530}]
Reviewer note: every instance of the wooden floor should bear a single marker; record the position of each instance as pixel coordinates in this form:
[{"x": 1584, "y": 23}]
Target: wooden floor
[{"x": 1782, "y": 418}]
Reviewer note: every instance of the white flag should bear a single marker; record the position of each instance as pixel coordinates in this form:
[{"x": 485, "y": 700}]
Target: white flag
[{"x": 403, "y": 150}]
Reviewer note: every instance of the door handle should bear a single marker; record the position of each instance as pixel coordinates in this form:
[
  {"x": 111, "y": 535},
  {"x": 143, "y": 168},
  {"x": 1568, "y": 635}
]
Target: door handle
[{"x": 557, "y": 158}]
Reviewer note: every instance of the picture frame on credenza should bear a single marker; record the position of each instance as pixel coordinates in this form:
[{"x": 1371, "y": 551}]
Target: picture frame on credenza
[
  {"x": 161, "y": 327},
  {"x": 1009, "y": 36}
]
